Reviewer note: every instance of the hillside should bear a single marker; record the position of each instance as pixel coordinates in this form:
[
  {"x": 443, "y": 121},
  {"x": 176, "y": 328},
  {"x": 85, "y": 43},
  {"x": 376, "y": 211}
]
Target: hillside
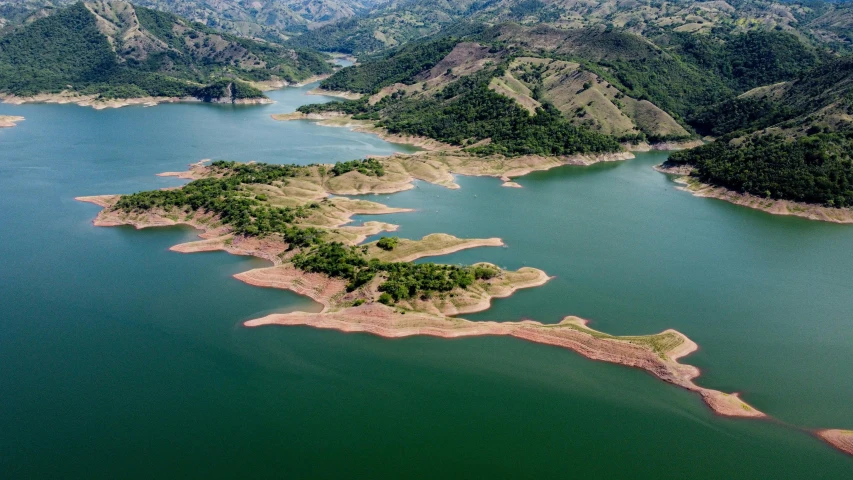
[
  {"x": 789, "y": 141},
  {"x": 116, "y": 50},
  {"x": 398, "y": 22},
  {"x": 264, "y": 19},
  {"x": 454, "y": 92},
  {"x": 611, "y": 82}
]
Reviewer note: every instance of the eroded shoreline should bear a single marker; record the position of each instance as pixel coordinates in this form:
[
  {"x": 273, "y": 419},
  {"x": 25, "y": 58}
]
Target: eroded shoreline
[
  {"x": 8, "y": 121},
  {"x": 775, "y": 207},
  {"x": 347, "y": 311},
  {"x": 358, "y": 310},
  {"x": 97, "y": 103},
  {"x": 840, "y": 439}
]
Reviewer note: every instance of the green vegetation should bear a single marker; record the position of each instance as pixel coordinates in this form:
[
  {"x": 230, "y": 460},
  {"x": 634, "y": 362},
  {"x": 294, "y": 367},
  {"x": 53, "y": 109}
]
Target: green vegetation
[
  {"x": 169, "y": 57},
  {"x": 467, "y": 111},
  {"x": 370, "y": 167},
  {"x": 226, "y": 193},
  {"x": 229, "y": 199},
  {"x": 388, "y": 243},
  {"x": 748, "y": 60},
  {"x": 740, "y": 113},
  {"x": 789, "y": 141},
  {"x": 403, "y": 280},
  {"x": 400, "y": 66},
  {"x": 814, "y": 168}
]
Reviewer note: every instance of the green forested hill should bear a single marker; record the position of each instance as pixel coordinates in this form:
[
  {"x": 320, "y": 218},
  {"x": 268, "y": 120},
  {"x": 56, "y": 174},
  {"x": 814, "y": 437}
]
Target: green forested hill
[
  {"x": 791, "y": 140},
  {"x": 118, "y": 50},
  {"x": 609, "y": 80}
]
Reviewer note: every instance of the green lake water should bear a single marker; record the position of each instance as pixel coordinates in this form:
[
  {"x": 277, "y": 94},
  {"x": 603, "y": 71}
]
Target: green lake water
[{"x": 120, "y": 359}]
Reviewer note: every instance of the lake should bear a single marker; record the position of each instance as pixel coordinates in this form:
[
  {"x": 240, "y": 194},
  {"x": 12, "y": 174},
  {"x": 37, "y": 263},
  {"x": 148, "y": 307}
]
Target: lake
[{"x": 121, "y": 359}]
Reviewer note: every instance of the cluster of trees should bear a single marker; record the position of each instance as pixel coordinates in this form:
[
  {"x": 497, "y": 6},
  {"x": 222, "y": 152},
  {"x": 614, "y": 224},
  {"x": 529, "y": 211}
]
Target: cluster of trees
[
  {"x": 399, "y": 66},
  {"x": 467, "y": 111},
  {"x": 740, "y": 114},
  {"x": 805, "y": 157},
  {"x": 388, "y": 243},
  {"x": 403, "y": 280},
  {"x": 348, "y": 36},
  {"x": 225, "y": 194},
  {"x": 370, "y": 167},
  {"x": 813, "y": 168},
  {"x": 227, "y": 197},
  {"x": 66, "y": 49},
  {"x": 747, "y": 60}
]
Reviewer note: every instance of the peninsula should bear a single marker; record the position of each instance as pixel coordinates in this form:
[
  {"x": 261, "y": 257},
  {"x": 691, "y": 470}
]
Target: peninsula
[
  {"x": 283, "y": 213},
  {"x": 7, "y": 121},
  {"x": 690, "y": 182}
]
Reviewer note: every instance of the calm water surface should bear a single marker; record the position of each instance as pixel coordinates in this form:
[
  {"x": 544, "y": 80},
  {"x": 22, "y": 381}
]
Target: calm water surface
[{"x": 121, "y": 359}]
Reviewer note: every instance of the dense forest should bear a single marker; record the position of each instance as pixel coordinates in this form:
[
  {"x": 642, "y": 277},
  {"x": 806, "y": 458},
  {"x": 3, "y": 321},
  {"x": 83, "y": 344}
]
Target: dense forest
[
  {"x": 169, "y": 57},
  {"x": 399, "y": 66},
  {"x": 814, "y": 168},
  {"x": 789, "y": 141}
]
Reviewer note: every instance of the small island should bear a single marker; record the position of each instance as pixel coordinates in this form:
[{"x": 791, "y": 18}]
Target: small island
[{"x": 284, "y": 214}]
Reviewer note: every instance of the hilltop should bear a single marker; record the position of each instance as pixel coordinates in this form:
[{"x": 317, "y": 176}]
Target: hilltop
[{"x": 112, "y": 49}]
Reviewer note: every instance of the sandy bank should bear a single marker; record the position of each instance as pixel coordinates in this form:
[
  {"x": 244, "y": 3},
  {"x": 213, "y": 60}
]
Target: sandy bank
[
  {"x": 320, "y": 288},
  {"x": 337, "y": 119},
  {"x": 840, "y": 439},
  {"x": 657, "y": 354},
  {"x": 433, "y": 245},
  {"x": 664, "y": 146},
  {"x": 278, "y": 84},
  {"x": 769, "y": 205},
  {"x": 335, "y": 93},
  {"x": 197, "y": 170},
  {"x": 97, "y": 103},
  {"x": 7, "y": 121}
]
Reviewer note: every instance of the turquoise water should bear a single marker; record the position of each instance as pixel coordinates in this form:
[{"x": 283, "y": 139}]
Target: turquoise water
[{"x": 121, "y": 359}]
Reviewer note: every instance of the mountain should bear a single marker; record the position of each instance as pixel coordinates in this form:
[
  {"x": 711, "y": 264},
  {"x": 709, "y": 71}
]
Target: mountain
[
  {"x": 118, "y": 50},
  {"x": 269, "y": 19},
  {"x": 399, "y": 21},
  {"x": 367, "y": 26},
  {"x": 608, "y": 81},
  {"x": 791, "y": 140},
  {"x": 264, "y": 19}
]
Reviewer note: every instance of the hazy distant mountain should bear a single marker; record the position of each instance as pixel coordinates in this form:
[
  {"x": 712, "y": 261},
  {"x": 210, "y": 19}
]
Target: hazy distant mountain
[
  {"x": 271, "y": 19},
  {"x": 119, "y": 50}
]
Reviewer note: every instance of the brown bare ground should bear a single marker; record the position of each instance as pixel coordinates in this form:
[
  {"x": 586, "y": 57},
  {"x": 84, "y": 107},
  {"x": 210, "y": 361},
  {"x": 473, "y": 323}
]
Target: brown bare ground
[
  {"x": 98, "y": 103},
  {"x": 572, "y": 333},
  {"x": 7, "y": 121},
  {"x": 840, "y": 439}
]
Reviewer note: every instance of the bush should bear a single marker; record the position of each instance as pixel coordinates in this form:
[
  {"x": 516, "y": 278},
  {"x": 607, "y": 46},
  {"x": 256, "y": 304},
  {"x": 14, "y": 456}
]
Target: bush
[
  {"x": 386, "y": 298},
  {"x": 387, "y": 243}
]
